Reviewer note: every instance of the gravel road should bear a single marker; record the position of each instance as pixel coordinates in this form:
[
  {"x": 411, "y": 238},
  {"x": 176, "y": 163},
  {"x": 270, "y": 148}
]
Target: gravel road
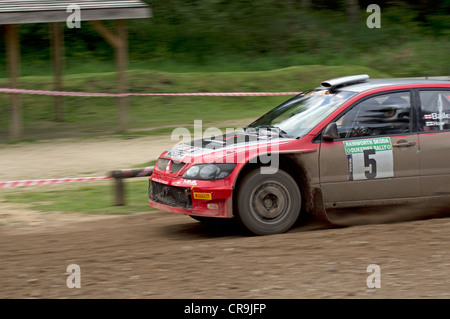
[{"x": 157, "y": 255}]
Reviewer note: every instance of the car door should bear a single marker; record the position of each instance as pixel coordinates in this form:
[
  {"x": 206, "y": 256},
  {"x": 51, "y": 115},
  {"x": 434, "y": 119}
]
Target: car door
[
  {"x": 434, "y": 137},
  {"x": 375, "y": 156}
]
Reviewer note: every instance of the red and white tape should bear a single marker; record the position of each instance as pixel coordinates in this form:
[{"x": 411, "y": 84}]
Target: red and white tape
[
  {"x": 9, "y": 184},
  {"x": 87, "y": 94}
]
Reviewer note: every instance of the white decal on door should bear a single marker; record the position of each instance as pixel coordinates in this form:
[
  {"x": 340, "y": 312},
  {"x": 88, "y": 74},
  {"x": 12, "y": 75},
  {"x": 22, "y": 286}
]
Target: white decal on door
[{"x": 369, "y": 158}]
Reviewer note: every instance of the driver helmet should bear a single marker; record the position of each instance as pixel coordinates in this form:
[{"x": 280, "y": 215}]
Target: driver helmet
[{"x": 395, "y": 109}]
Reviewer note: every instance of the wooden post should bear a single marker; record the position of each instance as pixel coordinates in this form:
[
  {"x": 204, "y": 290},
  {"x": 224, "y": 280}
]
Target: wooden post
[
  {"x": 119, "y": 184},
  {"x": 13, "y": 58},
  {"x": 121, "y": 54},
  {"x": 57, "y": 55},
  {"x": 119, "y": 41},
  {"x": 119, "y": 191}
]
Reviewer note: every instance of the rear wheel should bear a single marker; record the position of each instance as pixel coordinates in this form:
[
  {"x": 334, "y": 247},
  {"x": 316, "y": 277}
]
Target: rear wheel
[{"x": 268, "y": 203}]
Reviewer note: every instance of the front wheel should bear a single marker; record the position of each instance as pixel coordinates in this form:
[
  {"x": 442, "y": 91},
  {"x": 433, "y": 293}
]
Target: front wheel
[{"x": 268, "y": 203}]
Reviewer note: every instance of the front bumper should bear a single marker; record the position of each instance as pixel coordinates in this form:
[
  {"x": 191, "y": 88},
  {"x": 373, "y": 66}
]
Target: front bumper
[{"x": 191, "y": 197}]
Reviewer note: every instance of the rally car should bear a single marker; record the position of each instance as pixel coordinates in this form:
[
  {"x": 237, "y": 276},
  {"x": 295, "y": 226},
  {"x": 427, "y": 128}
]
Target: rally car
[{"x": 351, "y": 142}]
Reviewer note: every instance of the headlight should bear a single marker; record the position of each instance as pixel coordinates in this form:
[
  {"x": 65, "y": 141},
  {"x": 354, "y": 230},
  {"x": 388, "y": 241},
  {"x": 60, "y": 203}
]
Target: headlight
[
  {"x": 209, "y": 171},
  {"x": 192, "y": 172}
]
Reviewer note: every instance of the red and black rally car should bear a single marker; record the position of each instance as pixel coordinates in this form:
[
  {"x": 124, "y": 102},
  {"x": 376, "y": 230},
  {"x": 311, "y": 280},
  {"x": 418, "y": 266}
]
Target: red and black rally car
[{"x": 351, "y": 142}]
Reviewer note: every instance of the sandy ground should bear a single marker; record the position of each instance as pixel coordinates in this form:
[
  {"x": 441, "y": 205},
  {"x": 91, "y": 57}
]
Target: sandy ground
[
  {"x": 161, "y": 255},
  {"x": 72, "y": 157}
]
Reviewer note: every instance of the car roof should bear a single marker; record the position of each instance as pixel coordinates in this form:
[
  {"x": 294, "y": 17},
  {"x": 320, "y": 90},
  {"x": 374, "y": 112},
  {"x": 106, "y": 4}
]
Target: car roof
[{"x": 378, "y": 83}]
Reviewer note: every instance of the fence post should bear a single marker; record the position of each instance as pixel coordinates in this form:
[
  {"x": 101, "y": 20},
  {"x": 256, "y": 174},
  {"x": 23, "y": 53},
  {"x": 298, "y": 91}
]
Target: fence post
[
  {"x": 119, "y": 184},
  {"x": 119, "y": 191}
]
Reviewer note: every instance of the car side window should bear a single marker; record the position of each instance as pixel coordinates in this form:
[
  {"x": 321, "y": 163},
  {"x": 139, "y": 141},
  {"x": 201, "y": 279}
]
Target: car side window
[
  {"x": 383, "y": 114},
  {"x": 435, "y": 107}
]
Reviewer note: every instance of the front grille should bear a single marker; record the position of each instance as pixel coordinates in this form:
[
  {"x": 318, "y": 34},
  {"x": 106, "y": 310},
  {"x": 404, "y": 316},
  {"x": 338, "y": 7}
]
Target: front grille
[{"x": 170, "y": 195}]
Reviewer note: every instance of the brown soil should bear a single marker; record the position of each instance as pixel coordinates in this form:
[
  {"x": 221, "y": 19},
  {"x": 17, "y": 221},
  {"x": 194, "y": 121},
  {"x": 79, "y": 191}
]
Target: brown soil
[{"x": 161, "y": 255}]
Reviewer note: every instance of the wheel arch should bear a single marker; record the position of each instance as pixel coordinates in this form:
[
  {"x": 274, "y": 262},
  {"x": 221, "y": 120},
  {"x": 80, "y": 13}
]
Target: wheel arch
[{"x": 291, "y": 164}]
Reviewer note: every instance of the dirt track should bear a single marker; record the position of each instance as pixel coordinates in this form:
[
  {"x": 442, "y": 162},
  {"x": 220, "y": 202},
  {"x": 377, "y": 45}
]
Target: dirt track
[{"x": 161, "y": 255}]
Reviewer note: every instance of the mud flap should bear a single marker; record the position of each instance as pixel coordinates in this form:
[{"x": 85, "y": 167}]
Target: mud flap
[{"x": 319, "y": 213}]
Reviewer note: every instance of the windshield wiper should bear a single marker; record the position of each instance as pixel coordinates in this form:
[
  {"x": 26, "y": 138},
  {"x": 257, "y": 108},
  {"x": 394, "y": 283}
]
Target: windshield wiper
[{"x": 271, "y": 128}]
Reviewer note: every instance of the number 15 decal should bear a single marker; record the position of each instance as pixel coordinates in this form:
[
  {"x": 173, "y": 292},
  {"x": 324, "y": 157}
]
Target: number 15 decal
[{"x": 369, "y": 158}]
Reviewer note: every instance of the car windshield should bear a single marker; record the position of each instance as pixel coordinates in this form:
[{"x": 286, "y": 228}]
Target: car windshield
[{"x": 298, "y": 116}]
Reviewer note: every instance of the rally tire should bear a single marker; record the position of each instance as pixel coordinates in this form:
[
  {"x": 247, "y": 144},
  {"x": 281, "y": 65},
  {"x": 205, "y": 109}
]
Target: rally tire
[{"x": 268, "y": 203}]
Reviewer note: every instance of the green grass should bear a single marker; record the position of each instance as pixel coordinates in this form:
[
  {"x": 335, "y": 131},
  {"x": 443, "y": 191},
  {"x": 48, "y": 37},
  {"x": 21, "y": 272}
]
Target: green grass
[
  {"x": 86, "y": 199},
  {"x": 149, "y": 163},
  {"x": 99, "y": 116}
]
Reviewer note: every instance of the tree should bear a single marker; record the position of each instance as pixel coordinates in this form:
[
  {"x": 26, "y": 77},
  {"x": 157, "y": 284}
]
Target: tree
[{"x": 352, "y": 9}]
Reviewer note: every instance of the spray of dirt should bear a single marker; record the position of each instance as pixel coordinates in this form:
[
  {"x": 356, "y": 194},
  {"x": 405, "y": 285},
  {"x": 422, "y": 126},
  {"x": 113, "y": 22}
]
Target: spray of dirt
[{"x": 427, "y": 209}]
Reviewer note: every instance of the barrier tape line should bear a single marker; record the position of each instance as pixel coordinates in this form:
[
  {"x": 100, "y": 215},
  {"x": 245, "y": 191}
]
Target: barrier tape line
[
  {"x": 20, "y": 183},
  {"x": 87, "y": 94},
  {"x": 142, "y": 173}
]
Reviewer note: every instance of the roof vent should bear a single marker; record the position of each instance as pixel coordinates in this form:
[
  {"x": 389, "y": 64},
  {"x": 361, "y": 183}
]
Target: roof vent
[{"x": 345, "y": 80}]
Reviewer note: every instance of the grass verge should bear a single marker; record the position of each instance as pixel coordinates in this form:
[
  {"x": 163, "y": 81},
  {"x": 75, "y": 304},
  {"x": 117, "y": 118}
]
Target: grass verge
[{"x": 86, "y": 199}]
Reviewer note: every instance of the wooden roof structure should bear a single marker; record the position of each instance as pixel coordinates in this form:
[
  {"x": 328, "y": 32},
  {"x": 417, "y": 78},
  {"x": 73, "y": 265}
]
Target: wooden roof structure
[
  {"x": 45, "y": 11},
  {"x": 57, "y": 12}
]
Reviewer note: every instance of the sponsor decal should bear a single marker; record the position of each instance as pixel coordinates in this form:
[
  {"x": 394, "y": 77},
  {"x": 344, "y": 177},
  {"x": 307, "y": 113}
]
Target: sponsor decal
[
  {"x": 369, "y": 158},
  {"x": 206, "y": 196},
  {"x": 181, "y": 151},
  {"x": 358, "y": 146},
  {"x": 435, "y": 123},
  {"x": 158, "y": 180},
  {"x": 186, "y": 182},
  {"x": 437, "y": 119},
  {"x": 440, "y": 116},
  {"x": 350, "y": 167}
]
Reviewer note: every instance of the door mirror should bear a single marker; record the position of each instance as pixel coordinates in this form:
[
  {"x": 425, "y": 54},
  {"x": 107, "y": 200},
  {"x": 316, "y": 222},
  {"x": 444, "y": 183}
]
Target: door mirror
[{"x": 330, "y": 132}]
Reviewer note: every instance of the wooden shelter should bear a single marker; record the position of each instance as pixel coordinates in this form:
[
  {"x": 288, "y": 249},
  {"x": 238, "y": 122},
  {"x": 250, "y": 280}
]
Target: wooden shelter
[{"x": 57, "y": 12}]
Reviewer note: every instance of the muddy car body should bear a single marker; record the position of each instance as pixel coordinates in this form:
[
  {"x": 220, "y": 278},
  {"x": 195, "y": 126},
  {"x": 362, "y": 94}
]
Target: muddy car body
[{"x": 351, "y": 142}]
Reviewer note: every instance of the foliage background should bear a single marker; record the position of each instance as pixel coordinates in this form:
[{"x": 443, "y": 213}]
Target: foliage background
[
  {"x": 246, "y": 35},
  {"x": 223, "y": 46}
]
